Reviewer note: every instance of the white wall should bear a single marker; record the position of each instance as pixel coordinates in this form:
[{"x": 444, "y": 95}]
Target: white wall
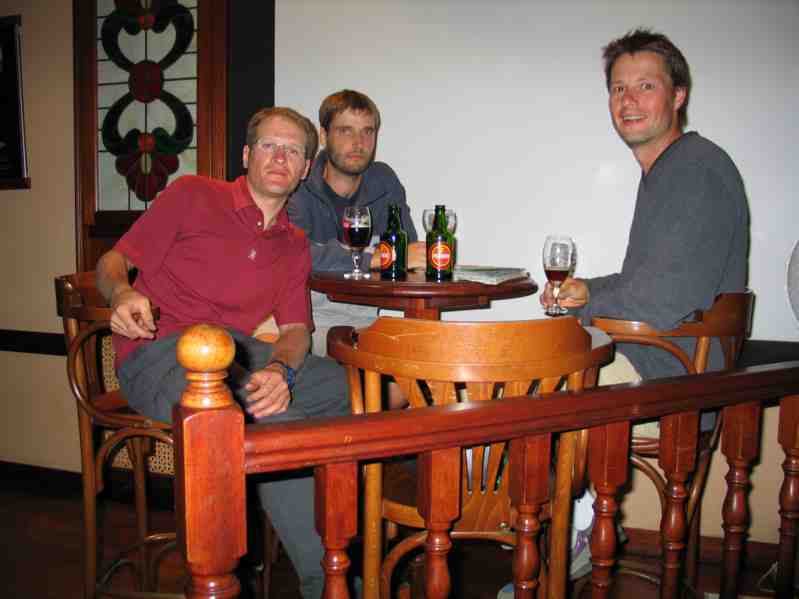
[{"x": 498, "y": 109}]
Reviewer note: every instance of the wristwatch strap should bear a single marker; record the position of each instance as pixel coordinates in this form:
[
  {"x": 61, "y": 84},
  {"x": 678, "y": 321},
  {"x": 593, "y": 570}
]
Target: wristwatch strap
[{"x": 288, "y": 370}]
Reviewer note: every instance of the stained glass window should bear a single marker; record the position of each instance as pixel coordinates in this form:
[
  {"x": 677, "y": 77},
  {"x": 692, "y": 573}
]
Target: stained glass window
[{"x": 146, "y": 99}]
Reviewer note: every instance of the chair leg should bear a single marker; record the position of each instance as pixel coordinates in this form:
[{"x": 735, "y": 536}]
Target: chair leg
[
  {"x": 692, "y": 549},
  {"x": 404, "y": 591},
  {"x": 136, "y": 451},
  {"x": 90, "y": 544},
  {"x": 372, "y": 530},
  {"x": 271, "y": 549},
  {"x": 694, "y": 506},
  {"x": 417, "y": 576},
  {"x": 560, "y": 526}
]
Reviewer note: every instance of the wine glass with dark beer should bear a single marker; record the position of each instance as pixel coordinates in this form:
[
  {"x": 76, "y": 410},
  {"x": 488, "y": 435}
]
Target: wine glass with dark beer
[
  {"x": 357, "y": 225},
  {"x": 559, "y": 256}
]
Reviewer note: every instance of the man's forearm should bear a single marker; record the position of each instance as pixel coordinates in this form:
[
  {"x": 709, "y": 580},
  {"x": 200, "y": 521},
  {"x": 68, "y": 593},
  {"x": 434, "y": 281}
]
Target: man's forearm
[
  {"x": 112, "y": 274},
  {"x": 292, "y": 346},
  {"x": 330, "y": 257}
]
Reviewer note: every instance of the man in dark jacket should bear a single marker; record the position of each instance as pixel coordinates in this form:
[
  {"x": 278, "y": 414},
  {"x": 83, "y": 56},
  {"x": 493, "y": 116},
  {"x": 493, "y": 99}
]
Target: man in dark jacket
[{"x": 346, "y": 174}]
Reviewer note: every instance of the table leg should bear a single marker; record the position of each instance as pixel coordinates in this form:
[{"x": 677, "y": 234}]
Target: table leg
[{"x": 418, "y": 308}]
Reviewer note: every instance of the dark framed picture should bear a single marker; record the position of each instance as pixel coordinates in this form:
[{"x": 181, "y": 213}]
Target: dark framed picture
[{"x": 13, "y": 155}]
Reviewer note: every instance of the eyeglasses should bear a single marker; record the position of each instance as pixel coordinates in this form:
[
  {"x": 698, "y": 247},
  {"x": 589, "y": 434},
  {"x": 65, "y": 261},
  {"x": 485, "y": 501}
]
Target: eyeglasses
[{"x": 270, "y": 148}]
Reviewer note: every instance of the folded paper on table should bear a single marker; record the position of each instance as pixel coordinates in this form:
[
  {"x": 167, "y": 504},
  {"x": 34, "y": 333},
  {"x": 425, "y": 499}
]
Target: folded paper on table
[{"x": 490, "y": 275}]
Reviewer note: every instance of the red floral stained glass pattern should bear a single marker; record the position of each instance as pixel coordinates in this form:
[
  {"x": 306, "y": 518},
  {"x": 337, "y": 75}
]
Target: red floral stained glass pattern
[{"x": 147, "y": 158}]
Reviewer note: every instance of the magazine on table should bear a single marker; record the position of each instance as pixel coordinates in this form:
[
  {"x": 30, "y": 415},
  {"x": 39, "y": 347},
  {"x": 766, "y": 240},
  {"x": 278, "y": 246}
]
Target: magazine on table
[{"x": 490, "y": 275}]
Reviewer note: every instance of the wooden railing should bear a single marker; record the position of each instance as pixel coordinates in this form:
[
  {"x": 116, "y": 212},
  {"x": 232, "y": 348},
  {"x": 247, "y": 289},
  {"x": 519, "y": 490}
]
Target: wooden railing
[{"x": 215, "y": 451}]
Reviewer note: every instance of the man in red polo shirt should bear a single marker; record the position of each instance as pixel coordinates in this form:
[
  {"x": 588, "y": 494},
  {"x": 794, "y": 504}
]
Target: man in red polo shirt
[{"x": 226, "y": 254}]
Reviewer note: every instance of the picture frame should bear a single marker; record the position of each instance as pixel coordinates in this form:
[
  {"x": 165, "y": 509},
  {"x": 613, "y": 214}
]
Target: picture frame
[{"x": 13, "y": 152}]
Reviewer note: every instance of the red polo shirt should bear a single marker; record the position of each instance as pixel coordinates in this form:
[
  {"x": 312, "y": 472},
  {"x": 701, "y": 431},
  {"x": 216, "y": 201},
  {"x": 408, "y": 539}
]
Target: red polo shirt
[{"x": 203, "y": 256}]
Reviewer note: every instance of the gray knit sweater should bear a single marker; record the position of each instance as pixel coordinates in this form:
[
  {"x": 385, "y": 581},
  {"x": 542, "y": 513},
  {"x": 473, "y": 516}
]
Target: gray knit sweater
[{"x": 689, "y": 241}]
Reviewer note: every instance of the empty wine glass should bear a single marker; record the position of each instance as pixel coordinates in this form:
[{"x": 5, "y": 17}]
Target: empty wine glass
[
  {"x": 559, "y": 260},
  {"x": 429, "y": 214},
  {"x": 357, "y": 224}
]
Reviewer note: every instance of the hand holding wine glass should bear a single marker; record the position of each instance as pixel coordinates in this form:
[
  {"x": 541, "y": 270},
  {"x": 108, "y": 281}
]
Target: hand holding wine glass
[
  {"x": 559, "y": 257},
  {"x": 357, "y": 224}
]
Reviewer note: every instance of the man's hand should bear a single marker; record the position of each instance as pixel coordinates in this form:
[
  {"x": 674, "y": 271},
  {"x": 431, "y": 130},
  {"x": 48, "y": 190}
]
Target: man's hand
[
  {"x": 573, "y": 293},
  {"x": 374, "y": 263},
  {"x": 133, "y": 316},
  {"x": 268, "y": 392},
  {"x": 417, "y": 254}
]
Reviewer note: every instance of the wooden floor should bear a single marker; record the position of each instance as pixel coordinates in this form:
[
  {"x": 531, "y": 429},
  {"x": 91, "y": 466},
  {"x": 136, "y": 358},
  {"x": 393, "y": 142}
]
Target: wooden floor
[{"x": 40, "y": 524}]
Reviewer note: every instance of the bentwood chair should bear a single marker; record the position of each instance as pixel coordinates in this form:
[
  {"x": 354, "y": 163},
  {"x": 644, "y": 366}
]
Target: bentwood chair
[
  {"x": 438, "y": 363},
  {"x": 112, "y": 435},
  {"x": 728, "y": 321}
]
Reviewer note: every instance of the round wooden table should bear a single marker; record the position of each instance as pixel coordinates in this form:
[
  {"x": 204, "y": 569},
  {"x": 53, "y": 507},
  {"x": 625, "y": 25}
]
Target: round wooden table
[{"x": 415, "y": 296}]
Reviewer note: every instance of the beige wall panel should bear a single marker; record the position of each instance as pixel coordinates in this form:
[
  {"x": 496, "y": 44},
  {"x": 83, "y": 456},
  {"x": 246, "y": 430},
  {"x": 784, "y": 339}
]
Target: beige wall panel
[
  {"x": 37, "y": 241},
  {"x": 38, "y": 224},
  {"x": 38, "y": 413}
]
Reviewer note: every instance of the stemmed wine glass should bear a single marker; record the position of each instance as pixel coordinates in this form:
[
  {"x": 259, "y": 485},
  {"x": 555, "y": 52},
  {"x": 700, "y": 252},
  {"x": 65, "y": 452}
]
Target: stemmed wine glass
[
  {"x": 357, "y": 225},
  {"x": 428, "y": 215},
  {"x": 559, "y": 259}
]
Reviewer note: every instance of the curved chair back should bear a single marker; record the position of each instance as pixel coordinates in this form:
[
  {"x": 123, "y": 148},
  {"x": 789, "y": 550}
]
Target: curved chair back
[
  {"x": 729, "y": 320},
  {"x": 438, "y": 363}
]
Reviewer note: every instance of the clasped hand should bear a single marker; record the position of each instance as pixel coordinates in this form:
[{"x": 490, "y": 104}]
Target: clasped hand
[{"x": 268, "y": 392}]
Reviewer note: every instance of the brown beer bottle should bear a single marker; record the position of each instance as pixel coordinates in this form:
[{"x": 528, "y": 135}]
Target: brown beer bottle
[
  {"x": 393, "y": 247},
  {"x": 440, "y": 248}
]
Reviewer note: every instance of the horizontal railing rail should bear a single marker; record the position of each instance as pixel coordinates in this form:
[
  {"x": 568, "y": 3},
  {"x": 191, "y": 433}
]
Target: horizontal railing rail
[{"x": 298, "y": 444}]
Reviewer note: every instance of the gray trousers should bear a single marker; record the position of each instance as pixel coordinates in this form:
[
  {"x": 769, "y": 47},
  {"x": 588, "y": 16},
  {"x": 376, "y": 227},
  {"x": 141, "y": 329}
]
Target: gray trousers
[{"x": 153, "y": 382}]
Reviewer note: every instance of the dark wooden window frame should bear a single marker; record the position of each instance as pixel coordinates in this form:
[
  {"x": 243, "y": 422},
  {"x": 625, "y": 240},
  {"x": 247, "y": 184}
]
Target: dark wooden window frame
[{"x": 96, "y": 230}]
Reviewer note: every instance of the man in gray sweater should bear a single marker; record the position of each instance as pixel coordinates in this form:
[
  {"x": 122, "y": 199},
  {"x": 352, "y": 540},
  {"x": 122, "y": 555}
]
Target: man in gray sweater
[{"x": 689, "y": 237}]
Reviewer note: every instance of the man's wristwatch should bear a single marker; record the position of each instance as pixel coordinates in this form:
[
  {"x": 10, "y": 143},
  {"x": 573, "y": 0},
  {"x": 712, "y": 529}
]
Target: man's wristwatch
[{"x": 288, "y": 370}]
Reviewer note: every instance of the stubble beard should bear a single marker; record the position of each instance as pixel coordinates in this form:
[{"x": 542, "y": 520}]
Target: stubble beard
[{"x": 342, "y": 167}]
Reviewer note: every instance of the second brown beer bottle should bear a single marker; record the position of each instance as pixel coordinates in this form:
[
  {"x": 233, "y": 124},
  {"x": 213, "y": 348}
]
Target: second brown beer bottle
[{"x": 440, "y": 248}]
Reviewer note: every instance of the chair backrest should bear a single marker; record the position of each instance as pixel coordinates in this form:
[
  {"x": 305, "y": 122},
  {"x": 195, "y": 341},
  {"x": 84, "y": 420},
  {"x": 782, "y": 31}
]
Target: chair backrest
[
  {"x": 445, "y": 362},
  {"x": 729, "y": 320},
  {"x": 90, "y": 356},
  {"x": 86, "y": 318}
]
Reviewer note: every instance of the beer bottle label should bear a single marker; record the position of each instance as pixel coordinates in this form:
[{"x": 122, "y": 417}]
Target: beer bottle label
[
  {"x": 440, "y": 255},
  {"x": 388, "y": 255}
]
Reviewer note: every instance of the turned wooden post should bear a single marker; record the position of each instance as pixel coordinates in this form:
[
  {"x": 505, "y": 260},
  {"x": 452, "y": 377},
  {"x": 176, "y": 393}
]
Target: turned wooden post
[
  {"x": 677, "y": 458},
  {"x": 438, "y": 498},
  {"x": 529, "y": 490},
  {"x": 608, "y": 454},
  {"x": 209, "y": 448},
  {"x": 739, "y": 444},
  {"x": 336, "y": 512},
  {"x": 788, "y": 437}
]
